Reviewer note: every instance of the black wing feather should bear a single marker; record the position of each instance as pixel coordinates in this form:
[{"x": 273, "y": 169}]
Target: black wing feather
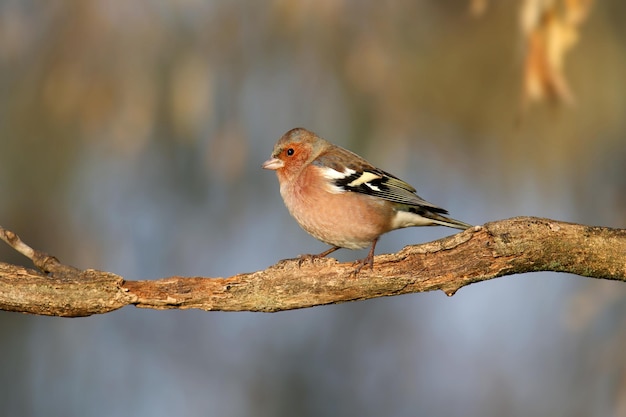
[{"x": 382, "y": 184}]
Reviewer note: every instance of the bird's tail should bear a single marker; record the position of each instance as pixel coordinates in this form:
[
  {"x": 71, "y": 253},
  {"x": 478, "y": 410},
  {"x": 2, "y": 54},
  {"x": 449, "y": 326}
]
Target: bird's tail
[
  {"x": 431, "y": 215},
  {"x": 447, "y": 221}
]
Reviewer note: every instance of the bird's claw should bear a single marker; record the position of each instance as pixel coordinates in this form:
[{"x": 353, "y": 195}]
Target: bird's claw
[
  {"x": 358, "y": 265},
  {"x": 306, "y": 257},
  {"x": 312, "y": 258}
]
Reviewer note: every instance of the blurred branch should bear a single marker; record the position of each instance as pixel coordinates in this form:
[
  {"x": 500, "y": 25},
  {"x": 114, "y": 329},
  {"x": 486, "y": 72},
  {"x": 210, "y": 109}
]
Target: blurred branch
[{"x": 506, "y": 247}]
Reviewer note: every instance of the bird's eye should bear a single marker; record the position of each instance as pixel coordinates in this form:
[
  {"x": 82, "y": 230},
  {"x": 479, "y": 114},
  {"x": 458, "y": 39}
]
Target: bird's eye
[{"x": 290, "y": 152}]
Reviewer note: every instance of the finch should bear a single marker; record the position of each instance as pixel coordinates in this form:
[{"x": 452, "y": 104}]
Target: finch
[{"x": 343, "y": 200}]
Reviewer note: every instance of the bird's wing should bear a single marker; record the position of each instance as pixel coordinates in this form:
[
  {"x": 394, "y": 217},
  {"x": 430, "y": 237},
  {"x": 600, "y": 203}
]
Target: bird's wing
[{"x": 349, "y": 172}]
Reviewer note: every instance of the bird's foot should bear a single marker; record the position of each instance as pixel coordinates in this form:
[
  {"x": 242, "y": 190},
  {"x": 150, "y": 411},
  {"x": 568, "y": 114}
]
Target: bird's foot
[
  {"x": 368, "y": 260},
  {"x": 361, "y": 263},
  {"x": 306, "y": 258},
  {"x": 302, "y": 258}
]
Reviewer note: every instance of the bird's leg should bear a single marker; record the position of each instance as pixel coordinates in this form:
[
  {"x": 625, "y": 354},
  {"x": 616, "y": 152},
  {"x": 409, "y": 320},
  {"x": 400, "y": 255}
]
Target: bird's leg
[
  {"x": 327, "y": 252},
  {"x": 303, "y": 258},
  {"x": 368, "y": 260}
]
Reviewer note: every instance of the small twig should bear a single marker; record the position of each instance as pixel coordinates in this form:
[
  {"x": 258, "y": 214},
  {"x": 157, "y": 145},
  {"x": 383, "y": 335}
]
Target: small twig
[
  {"x": 16, "y": 243},
  {"x": 47, "y": 263}
]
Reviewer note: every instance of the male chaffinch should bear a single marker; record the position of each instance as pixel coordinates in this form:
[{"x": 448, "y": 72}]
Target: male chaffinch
[{"x": 343, "y": 200}]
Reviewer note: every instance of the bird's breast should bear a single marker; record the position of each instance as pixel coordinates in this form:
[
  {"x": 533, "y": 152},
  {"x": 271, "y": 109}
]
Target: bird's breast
[{"x": 347, "y": 219}]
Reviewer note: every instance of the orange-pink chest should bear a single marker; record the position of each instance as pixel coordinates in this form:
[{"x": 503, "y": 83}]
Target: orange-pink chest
[{"x": 340, "y": 218}]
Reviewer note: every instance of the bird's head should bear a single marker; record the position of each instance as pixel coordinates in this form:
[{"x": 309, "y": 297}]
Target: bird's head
[{"x": 293, "y": 152}]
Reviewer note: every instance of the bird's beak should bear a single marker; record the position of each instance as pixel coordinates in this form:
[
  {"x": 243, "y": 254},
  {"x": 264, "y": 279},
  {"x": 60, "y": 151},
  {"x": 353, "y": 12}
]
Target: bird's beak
[{"x": 273, "y": 163}]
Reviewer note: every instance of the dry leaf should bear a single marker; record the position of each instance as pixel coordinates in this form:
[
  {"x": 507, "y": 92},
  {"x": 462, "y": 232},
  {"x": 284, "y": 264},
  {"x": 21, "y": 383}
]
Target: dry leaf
[{"x": 550, "y": 29}]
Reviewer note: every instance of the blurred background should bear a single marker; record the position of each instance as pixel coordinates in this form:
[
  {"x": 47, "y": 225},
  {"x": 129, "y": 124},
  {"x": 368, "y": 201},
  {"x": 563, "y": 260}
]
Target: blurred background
[{"x": 131, "y": 139}]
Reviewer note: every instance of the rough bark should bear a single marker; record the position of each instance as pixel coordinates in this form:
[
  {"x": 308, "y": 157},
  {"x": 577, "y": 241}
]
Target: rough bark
[{"x": 506, "y": 247}]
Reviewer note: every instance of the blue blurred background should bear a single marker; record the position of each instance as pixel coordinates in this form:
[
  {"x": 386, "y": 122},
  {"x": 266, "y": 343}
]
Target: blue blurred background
[{"x": 131, "y": 139}]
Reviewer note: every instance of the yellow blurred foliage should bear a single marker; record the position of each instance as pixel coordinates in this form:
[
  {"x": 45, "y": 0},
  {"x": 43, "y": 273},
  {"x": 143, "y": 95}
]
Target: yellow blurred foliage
[{"x": 550, "y": 29}]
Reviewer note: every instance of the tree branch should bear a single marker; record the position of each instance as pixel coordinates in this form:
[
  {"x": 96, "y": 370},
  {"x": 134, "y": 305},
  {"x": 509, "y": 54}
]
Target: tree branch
[{"x": 506, "y": 247}]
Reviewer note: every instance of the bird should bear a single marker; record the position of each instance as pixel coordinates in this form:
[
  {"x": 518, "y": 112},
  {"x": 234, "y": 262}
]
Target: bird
[{"x": 344, "y": 201}]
